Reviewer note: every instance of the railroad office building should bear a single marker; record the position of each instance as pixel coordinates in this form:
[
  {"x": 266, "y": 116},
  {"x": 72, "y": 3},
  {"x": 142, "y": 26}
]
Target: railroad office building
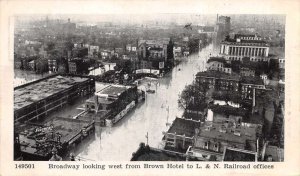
[
  {"x": 240, "y": 46},
  {"x": 38, "y": 98}
]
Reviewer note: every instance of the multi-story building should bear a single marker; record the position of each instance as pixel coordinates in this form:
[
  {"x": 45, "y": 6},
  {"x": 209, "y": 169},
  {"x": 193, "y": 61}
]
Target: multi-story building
[
  {"x": 218, "y": 64},
  {"x": 72, "y": 67},
  {"x": 37, "y": 99},
  {"x": 245, "y": 71},
  {"x": 79, "y": 51},
  {"x": 52, "y": 65},
  {"x": 181, "y": 134},
  {"x": 157, "y": 53},
  {"x": 113, "y": 100},
  {"x": 78, "y": 66},
  {"x": 177, "y": 51},
  {"x": 282, "y": 63},
  {"x": 212, "y": 139},
  {"x": 245, "y": 46},
  {"x": 222, "y": 29},
  {"x": 93, "y": 50},
  {"x": 223, "y": 23},
  {"x": 105, "y": 54},
  {"x": 249, "y": 84},
  {"x": 131, "y": 48},
  {"x": 219, "y": 80},
  {"x": 32, "y": 65}
]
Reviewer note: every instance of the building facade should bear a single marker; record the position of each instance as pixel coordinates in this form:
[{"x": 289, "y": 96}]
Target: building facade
[
  {"x": 157, "y": 53},
  {"x": 37, "y": 99},
  {"x": 245, "y": 46},
  {"x": 218, "y": 64},
  {"x": 219, "y": 80},
  {"x": 213, "y": 138}
]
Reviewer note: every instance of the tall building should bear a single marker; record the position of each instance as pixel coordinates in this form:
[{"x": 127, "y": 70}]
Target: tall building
[
  {"x": 222, "y": 29},
  {"x": 156, "y": 54},
  {"x": 224, "y": 24}
]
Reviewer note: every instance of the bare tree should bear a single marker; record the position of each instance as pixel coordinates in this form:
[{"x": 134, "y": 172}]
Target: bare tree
[{"x": 192, "y": 95}]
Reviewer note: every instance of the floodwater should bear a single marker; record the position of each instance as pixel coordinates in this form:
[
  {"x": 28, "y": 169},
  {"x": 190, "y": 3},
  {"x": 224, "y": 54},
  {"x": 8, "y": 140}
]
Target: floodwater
[
  {"x": 22, "y": 77},
  {"x": 120, "y": 141}
]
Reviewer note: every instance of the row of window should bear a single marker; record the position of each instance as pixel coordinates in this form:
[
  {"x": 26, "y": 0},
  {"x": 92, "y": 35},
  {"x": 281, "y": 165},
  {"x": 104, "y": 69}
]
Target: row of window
[{"x": 251, "y": 38}]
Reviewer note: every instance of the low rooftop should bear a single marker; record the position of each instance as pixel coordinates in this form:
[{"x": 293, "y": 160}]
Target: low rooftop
[
  {"x": 113, "y": 90},
  {"x": 228, "y": 133},
  {"x": 234, "y": 154},
  {"x": 227, "y": 109},
  {"x": 183, "y": 126}
]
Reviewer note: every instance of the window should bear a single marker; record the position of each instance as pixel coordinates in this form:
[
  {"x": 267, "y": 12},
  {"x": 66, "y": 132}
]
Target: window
[
  {"x": 205, "y": 145},
  {"x": 216, "y": 147}
]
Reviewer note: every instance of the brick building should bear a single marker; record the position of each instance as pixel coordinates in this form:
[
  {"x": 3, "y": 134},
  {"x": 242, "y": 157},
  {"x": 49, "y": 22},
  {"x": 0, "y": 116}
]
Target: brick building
[
  {"x": 156, "y": 54},
  {"x": 219, "y": 80}
]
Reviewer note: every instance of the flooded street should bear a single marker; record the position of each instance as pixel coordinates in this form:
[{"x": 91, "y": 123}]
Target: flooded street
[{"x": 119, "y": 142}]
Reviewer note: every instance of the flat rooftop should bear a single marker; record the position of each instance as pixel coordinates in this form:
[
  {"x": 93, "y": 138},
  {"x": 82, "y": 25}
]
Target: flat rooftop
[
  {"x": 114, "y": 90},
  {"x": 233, "y": 154},
  {"x": 159, "y": 156},
  {"x": 66, "y": 128},
  {"x": 217, "y": 59},
  {"x": 111, "y": 89},
  {"x": 254, "y": 43},
  {"x": 227, "y": 134},
  {"x": 184, "y": 126},
  {"x": 39, "y": 90}
]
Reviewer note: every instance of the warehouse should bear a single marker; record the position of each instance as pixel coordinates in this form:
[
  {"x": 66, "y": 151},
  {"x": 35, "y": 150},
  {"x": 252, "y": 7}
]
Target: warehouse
[{"x": 39, "y": 98}]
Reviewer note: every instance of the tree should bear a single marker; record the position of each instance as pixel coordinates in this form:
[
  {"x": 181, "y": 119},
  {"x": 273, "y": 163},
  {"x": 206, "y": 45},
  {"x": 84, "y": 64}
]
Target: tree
[{"x": 192, "y": 95}]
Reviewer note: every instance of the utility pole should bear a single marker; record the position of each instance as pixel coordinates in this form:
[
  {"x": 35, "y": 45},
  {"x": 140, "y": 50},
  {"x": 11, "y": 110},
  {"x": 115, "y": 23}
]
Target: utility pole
[
  {"x": 147, "y": 137},
  {"x": 168, "y": 110}
]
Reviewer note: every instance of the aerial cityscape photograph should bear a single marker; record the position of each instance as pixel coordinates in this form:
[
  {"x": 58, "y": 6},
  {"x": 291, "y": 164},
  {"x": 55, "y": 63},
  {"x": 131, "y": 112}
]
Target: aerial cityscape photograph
[{"x": 149, "y": 87}]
